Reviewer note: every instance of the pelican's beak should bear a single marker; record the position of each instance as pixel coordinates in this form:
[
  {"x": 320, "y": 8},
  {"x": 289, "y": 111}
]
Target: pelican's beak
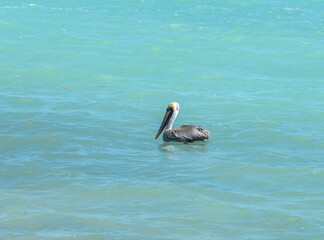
[{"x": 165, "y": 121}]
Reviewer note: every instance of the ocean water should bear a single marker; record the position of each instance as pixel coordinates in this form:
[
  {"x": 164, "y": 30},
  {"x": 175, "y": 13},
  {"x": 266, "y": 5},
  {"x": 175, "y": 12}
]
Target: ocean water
[{"x": 83, "y": 89}]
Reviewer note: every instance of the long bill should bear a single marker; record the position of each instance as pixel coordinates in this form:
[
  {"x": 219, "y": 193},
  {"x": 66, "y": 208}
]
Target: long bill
[{"x": 165, "y": 121}]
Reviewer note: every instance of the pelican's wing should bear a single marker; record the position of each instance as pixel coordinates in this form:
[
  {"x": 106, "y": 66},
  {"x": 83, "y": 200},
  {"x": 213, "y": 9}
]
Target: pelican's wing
[{"x": 187, "y": 133}]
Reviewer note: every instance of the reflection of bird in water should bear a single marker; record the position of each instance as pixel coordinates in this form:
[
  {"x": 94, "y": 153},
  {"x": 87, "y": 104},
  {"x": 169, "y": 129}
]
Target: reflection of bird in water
[{"x": 184, "y": 133}]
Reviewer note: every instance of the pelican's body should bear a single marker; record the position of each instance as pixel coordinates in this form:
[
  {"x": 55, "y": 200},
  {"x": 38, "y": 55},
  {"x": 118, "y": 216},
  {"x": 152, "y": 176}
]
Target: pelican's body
[{"x": 184, "y": 133}]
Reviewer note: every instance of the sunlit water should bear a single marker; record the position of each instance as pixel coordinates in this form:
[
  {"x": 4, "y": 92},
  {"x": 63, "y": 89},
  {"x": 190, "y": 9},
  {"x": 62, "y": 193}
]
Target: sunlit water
[{"x": 83, "y": 89}]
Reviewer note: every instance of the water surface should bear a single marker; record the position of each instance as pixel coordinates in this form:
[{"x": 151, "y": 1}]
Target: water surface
[{"x": 83, "y": 89}]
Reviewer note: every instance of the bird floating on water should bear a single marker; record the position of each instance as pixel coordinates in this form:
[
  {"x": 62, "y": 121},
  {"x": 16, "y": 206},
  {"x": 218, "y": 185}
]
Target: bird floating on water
[{"x": 184, "y": 133}]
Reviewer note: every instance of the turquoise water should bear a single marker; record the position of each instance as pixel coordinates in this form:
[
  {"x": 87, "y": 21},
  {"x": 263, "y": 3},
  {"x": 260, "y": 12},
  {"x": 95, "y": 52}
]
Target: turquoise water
[{"x": 83, "y": 89}]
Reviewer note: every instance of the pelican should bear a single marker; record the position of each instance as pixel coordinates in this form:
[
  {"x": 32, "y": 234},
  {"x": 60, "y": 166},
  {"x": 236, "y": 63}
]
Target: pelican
[{"x": 184, "y": 133}]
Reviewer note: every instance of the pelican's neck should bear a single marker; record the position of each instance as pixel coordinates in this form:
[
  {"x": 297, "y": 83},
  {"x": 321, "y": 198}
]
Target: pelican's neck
[{"x": 172, "y": 119}]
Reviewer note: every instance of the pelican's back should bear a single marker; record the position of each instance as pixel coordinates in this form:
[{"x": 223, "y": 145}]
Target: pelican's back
[{"x": 186, "y": 133}]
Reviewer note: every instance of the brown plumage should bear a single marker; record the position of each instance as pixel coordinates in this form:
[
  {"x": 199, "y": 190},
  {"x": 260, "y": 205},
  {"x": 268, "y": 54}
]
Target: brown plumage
[{"x": 186, "y": 133}]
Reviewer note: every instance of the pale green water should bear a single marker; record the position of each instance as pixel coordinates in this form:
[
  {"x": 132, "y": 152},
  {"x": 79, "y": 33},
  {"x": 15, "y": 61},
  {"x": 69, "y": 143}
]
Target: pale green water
[{"x": 83, "y": 89}]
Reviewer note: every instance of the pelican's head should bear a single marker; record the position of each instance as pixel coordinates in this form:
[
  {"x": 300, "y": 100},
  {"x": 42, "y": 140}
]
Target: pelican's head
[
  {"x": 169, "y": 117},
  {"x": 174, "y": 105}
]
